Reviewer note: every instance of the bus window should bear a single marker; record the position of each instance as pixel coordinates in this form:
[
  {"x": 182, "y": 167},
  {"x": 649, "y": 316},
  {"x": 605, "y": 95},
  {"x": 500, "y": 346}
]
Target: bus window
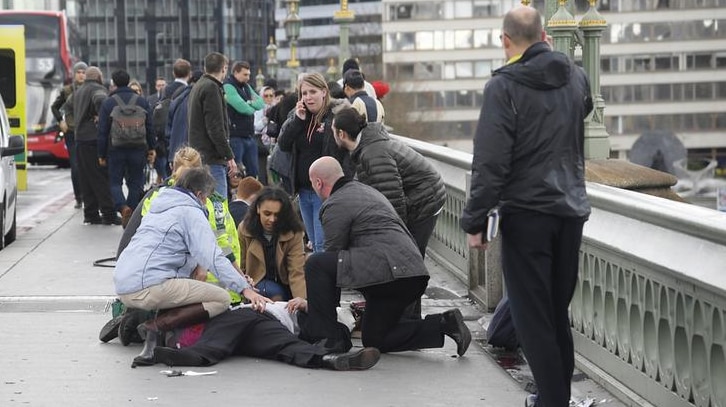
[{"x": 7, "y": 77}]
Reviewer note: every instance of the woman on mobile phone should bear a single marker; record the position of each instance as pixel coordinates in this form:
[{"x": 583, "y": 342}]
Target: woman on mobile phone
[{"x": 307, "y": 134}]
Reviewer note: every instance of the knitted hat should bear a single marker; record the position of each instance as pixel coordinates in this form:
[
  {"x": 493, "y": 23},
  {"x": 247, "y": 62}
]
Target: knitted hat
[
  {"x": 381, "y": 88},
  {"x": 80, "y": 65}
]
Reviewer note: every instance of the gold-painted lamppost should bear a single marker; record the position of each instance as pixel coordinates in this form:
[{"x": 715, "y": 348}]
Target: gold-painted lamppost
[
  {"x": 271, "y": 62},
  {"x": 344, "y": 17},
  {"x": 293, "y": 22}
]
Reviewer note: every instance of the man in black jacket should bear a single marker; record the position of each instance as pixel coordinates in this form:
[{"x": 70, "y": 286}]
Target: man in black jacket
[
  {"x": 209, "y": 123},
  {"x": 368, "y": 248},
  {"x": 529, "y": 159}
]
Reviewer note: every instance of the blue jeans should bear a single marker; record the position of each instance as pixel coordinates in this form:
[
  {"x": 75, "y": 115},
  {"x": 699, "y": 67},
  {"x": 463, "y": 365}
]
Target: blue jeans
[
  {"x": 219, "y": 172},
  {"x": 161, "y": 165},
  {"x": 245, "y": 151},
  {"x": 129, "y": 164},
  {"x": 310, "y": 210},
  {"x": 270, "y": 289}
]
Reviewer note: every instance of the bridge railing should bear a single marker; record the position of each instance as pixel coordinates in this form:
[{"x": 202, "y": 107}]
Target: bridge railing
[{"x": 649, "y": 311}]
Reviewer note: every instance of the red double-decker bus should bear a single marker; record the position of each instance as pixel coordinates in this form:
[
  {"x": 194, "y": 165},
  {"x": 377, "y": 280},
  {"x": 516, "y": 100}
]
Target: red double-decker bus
[{"x": 52, "y": 46}]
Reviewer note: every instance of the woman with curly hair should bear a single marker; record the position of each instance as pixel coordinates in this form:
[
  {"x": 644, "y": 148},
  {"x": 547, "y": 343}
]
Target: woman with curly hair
[{"x": 271, "y": 246}]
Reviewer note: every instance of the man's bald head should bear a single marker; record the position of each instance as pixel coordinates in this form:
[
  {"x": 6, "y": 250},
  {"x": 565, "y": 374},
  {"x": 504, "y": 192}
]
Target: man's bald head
[
  {"x": 324, "y": 173},
  {"x": 523, "y": 26}
]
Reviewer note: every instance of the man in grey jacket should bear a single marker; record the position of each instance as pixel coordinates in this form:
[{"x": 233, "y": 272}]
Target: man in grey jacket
[{"x": 368, "y": 248}]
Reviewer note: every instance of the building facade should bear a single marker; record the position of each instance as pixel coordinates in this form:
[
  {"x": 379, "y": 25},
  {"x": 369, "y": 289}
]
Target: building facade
[
  {"x": 663, "y": 65},
  {"x": 145, "y": 37}
]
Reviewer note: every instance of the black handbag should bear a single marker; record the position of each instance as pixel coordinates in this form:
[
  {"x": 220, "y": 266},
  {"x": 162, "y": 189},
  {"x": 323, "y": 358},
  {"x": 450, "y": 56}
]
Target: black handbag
[{"x": 273, "y": 129}]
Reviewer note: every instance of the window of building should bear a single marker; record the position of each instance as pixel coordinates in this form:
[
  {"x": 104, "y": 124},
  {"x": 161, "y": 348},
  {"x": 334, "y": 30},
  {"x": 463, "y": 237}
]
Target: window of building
[
  {"x": 481, "y": 38},
  {"x": 462, "y": 39},
  {"x": 482, "y": 69},
  {"x": 464, "y": 69},
  {"x": 698, "y": 61},
  {"x": 400, "y": 11},
  {"x": 704, "y": 91},
  {"x": 424, "y": 40}
]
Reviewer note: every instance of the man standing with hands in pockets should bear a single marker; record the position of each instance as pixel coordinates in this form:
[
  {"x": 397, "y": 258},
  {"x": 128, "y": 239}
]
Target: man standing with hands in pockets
[{"x": 529, "y": 158}]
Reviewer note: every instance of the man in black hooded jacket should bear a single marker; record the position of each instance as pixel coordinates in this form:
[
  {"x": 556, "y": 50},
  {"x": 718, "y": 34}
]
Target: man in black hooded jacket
[{"x": 529, "y": 159}]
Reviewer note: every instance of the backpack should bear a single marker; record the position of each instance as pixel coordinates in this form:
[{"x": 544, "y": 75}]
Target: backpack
[
  {"x": 128, "y": 124},
  {"x": 159, "y": 117}
]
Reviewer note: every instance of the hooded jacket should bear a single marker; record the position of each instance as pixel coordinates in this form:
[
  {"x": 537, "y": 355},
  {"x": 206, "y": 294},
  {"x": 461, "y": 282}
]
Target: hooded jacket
[
  {"x": 173, "y": 238},
  {"x": 528, "y": 147},
  {"x": 402, "y": 175}
]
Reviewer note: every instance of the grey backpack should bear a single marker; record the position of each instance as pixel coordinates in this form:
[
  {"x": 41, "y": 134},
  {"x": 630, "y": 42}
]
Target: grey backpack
[{"x": 128, "y": 124}]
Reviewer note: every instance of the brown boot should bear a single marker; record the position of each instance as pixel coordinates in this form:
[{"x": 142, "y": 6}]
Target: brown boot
[
  {"x": 172, "y": 318},
  {"x": 126, "y": 212}
]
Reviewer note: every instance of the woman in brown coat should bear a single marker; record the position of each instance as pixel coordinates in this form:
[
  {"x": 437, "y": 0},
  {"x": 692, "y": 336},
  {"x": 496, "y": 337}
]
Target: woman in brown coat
[{"x": 271, "y": 243}]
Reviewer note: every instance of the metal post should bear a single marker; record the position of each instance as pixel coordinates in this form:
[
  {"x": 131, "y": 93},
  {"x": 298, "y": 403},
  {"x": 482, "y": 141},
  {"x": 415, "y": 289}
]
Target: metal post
[
  {"x": 597, "y": 145},
  {"x": 344, "y": 17},
  {"x": 562, "y": 27}
]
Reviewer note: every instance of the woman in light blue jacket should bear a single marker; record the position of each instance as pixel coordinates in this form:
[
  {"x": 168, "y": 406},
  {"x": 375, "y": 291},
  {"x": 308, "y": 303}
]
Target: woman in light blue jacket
[{"x": 171, "y": 247}]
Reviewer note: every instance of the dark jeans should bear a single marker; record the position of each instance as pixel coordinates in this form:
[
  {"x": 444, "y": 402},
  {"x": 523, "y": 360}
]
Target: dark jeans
[
  {"x": 70, "y": 140},
  {"x": 540, "y": 261},
  {"x": 94, "y": 183},
  {"x": 382, "y": 326},
  {"x": 249, "y": 333},
  {"x": 245, "y": 151},
  {"x": 126, "y": 164}
]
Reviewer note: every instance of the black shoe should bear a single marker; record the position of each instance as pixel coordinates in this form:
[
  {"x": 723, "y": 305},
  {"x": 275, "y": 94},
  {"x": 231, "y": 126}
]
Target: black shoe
[
  {"x": 178, "y": 357},
  {"x": 114, "y": 220},
  {"x": 453, "y": 326},
  {"x": 127, "y": 332},
  {"x": 110, "y": 330},
  {"x": 531, "y": 401},
  {"x": 92, "y": 221},
  {"x": 78, "y": 204},
  {"x": 361, "y": 359}
]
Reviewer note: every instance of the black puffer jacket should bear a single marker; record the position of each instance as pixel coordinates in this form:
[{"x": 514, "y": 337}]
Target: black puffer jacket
[
  {"x": 528, "y": 148},
  {"x": 401, "y": 174}
]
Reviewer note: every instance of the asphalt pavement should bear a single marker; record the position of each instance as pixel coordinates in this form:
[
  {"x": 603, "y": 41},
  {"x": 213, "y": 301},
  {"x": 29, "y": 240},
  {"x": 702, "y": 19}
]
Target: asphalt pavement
[{"x": 53, "y": 301}]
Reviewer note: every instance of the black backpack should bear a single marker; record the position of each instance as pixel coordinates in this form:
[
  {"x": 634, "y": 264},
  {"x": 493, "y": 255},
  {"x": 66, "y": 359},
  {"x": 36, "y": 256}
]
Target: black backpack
[
  {"x": 128, "y": 124},
  {"x": 159, "y": 117}
]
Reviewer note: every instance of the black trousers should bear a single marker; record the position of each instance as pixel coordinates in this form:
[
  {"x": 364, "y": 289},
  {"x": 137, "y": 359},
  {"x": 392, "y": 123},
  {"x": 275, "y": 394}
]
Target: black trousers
[
  {"x": 248, "y": 333},
  {"x": 382, "y": 326},
  {"x": 422, "y": 231},
  {"x": 540, "y": 261},
  {"x": 93, "y": 179},
  {"x": 70, "y": 141}
]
